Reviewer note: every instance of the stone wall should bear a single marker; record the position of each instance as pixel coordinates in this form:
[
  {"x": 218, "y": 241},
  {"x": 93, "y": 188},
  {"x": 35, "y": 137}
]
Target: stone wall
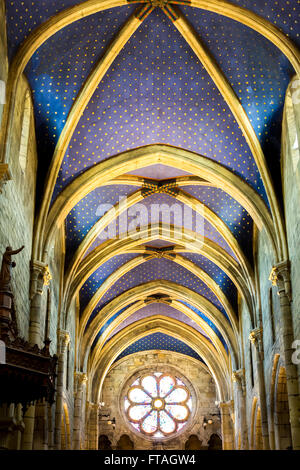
[
  {"x": 267, "y": 315},
  {"x": 3, "y": 55},
  {"x": 191, "y": 369},
  {"x": 291, "y": 191},
  {"x": 268, "y": 310},
  {"x": 17, "y": 203}
]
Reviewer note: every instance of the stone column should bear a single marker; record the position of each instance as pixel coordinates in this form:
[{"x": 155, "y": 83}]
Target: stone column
[
  {"x": 11, "y": 427},
  {"x": 238, "y": 378},
  {"x": 280, "y": 277},
  {"x": 50, "y": 411},
  {"x": 256, "y": 339},
  {"x": 19, "y": 427},
  {"x": 41, "y": 426},
  {"x": 40, "y": 276},
  {"x": 27, "y": 440},
  {"x": 226, "y": 425},
  {"x": 80, "y": 380},
  {"x": 93, "y": 426},
  {"x": 64, "y": 339}
]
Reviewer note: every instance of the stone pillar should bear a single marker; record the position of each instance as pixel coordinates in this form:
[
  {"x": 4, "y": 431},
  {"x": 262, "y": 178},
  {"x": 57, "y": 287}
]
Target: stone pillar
[
  {"x": 256, "y": 339},
  {"x": 27, "y": 440},
  {"x": 50, "y": 427},
  {"x": 11, "y": 427},
  {"x": 93, "y": 426},
  {"x": 41, "y": 426},
  {"x": 80, "y": 380},
  {"x": 280, "y": 277},
  {"x": 226, "y": 425},
  {"x": 238, "y": 377},
  {"x": 64, "y": 339},
  {"x": 16, "y": 444},
  {"x": 40, "y": 276}
]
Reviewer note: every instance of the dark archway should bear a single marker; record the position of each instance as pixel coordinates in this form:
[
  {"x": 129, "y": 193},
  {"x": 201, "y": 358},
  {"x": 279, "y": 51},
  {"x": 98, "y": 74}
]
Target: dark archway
[
  {"x": 193, "y": 443},
  {"x": 104, "y": 443},
  {"x": 215, "y": 442},
  {"x": 125, "y": 443}
]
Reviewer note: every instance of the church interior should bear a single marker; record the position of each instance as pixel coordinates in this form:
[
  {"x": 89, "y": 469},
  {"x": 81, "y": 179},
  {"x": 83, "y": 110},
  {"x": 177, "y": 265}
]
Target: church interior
[{"x": 150, "y": 225}]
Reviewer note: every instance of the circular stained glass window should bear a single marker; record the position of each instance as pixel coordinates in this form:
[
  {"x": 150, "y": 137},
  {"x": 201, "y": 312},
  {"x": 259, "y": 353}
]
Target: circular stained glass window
[{"x": 158, "y": 405}]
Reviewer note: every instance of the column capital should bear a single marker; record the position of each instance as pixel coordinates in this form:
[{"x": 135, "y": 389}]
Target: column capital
[
  {"x": 256, "y": 336},
  {"x": 80, "y": 377},
  {"x": 280, "y": 277},
  {"x": 226, "y": 405},
  {"x": 5, "y": 175},
  {"x": 64, "y": 339},
  {"x": 238, "y": 376},
  {"x": 93, "y": 406},
  {"x": 40, "y": 277}
]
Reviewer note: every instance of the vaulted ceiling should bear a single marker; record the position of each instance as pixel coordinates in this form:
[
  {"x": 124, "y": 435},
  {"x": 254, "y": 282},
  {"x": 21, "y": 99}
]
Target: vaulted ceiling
[{"x": 158, "y": 103}]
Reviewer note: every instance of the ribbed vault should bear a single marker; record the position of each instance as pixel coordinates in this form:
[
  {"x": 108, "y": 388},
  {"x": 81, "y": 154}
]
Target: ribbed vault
[{"x": 149, "y": 105}]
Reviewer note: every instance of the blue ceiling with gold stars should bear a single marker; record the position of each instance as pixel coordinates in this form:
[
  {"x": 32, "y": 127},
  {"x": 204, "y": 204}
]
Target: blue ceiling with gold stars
[
  {"x": 158, "y": 269},
  {"x": 180, "y": 215},
  {"x": 162, "y": 95},
  {"x": 160, "y": 341},
  {"x": 156, "y": 91}
]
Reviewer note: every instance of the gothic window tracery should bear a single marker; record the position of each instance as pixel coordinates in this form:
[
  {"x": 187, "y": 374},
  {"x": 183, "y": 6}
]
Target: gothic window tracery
[{"x": 158, "y": 405}]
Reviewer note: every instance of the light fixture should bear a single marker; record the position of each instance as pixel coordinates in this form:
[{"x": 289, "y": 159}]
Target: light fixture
[
  {"x": 206, "y": 422},
  {"x": 101, "y": 404},
  {"x": 112, "y": 422}
]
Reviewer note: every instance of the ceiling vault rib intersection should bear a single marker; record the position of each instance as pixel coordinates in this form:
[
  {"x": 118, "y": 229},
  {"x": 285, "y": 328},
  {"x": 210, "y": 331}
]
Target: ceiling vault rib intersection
[
  {"x": 135, "y": 198},
  {"x": 114, "y": 247},
  {"x": 141, "y": 259},
  {"x": 122, "y": 163}
]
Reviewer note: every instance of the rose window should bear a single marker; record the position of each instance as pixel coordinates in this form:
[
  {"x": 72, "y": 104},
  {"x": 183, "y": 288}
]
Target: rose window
[{"x": 158, "y": 405}]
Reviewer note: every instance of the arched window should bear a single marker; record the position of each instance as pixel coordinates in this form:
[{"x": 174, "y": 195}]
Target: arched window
[
  {"x": 48, "y": 315},
  {"x": 258, "y": 431},
  {"x": 251, "y": 365},
  {"x": 291, "y": 126},
  {"x": 23, "y": 150},
  {"x": 271, "y": 314},
  {"x": 282, "y": 415},
  {"x": 68, "y": 368}
]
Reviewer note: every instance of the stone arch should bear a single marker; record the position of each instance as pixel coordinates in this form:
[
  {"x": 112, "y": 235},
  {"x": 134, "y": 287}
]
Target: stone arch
[
  {"x": 272, "y": 405},
  {"x": 193, "y": 443},
  {"x": 252, "y": 420},
  {"x": 65, "y": 429},
  {"x": 258, "y": 442},
  {"x": 215, "y": 442},
  {"x": 125, "y": 443},
  {"x": 104, "y": 443},
  {"x": 283, "y": 437},
  {"x": 290, "y": 162},
  {"x": 196, "y": 164},
  {"x": 239, "y": 441},
  {"x": 102, "y": 360}
]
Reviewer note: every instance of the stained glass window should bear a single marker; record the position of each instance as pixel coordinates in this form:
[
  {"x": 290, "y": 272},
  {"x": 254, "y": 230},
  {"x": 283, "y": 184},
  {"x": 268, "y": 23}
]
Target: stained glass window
[{"x": 158, "y": 405}]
